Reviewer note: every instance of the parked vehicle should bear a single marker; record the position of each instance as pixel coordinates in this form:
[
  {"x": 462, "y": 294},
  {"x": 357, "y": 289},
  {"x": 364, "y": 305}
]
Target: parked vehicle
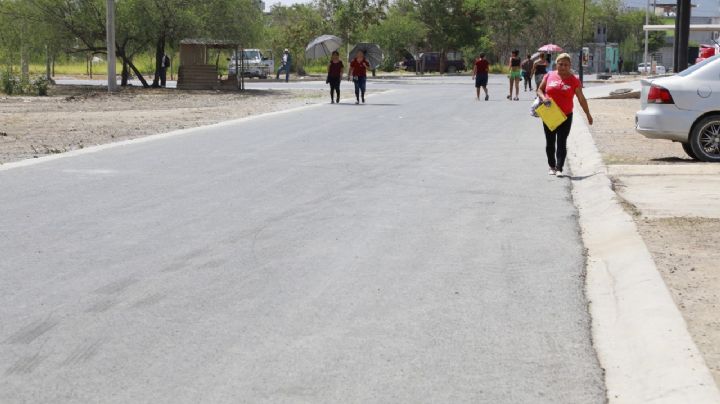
[
  {"x": 707, "y": 51},
  {"x": 430, "y": 62},
  {"x": 685, "y": 108},
  {"x": 644, "y": 68},
  {"x": 255, "y": 63}
]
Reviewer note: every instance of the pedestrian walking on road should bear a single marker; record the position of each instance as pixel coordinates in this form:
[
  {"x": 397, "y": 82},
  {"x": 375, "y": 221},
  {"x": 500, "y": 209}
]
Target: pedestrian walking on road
[
  {"x": 620, "y": 65},
  {"x": 515, "y": 75},
  {"x": 481, "y": 71},
  {"x": 561, "y": 86},
  {"x": 539, "y": 69},
  {"x": 358, "y": 71},
  {"x": 527, "y": 68},
  {"x": 285, "y": 65},
  {"x": 335, "y": 72}
]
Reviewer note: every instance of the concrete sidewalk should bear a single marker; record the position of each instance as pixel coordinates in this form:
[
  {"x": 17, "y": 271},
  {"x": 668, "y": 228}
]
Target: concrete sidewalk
[{"x": 679, "y": 190}]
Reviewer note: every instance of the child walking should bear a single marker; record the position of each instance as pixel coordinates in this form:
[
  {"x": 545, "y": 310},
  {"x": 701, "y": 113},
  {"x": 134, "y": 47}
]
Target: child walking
[{"x": 335, "y": 72}]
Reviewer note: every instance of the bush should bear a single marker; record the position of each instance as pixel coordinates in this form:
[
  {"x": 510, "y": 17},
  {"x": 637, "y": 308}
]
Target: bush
[
  {"x": 498, "y": 68},
  {"x": 13, "y": 85}
]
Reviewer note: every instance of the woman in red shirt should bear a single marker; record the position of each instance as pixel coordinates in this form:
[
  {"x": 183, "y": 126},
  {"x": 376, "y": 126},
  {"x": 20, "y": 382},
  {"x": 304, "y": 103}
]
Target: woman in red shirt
[
  {"x": 561, "y": 86},
  {"x": 358, "y": 72}
]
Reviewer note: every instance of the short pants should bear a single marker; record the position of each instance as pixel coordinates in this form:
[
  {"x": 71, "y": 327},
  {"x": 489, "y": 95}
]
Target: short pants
[
  {"x": 515, "y": 75},
  {"x": 481, "y": 80}
]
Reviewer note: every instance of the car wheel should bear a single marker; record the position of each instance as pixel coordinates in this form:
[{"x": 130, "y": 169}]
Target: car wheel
[
  {"x": 452, "y": 70},
  {"x": 688, "y": 149},
  {"x": 705, "y": 139}
]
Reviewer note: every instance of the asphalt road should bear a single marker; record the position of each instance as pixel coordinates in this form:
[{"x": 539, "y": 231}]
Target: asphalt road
[{"x": 412, "y": 250}]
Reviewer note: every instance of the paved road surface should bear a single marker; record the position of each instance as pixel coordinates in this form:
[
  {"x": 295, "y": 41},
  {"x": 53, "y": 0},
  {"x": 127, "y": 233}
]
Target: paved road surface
[{"x": 411, "y": 250}]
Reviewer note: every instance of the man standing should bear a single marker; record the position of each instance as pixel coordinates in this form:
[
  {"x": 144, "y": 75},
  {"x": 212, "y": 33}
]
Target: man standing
[
  {"x": 164, "y": 66},
  {"x": 620, "y": 65},
  {"x": 527, "y": 67},
  {"x": 285, "y": 65},
  {"x": 481, "y": 73}
]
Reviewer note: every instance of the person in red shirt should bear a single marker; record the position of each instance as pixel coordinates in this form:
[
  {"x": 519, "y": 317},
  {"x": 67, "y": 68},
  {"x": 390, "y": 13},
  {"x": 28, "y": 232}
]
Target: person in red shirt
[
  {"x": 335, "y": 73},
  {"x": 358, "y": 72},
  {"x": 561, "y": 87},
  {"x": 481, "y": 72}
]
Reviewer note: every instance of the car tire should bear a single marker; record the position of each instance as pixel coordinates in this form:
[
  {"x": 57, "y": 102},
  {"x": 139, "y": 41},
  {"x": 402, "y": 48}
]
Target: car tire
[
  {"x": 452, "y": 69},
  {"x": 688, "y": 149},
  {"x": 705, "y": 139}
]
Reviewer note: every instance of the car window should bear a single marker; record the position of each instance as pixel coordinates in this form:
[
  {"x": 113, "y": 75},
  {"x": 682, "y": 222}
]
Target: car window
[
  {"x": 690, "y": 70},
  {"x": 251, "y": 54}
]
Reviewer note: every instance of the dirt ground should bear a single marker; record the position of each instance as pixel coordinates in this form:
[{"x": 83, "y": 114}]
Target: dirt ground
[
  {"x": 74, "y": 117},
  {"x": 686, "y": 253},
  {"x": 685, "y": 250},
  {"x": 614, "y": 132}
]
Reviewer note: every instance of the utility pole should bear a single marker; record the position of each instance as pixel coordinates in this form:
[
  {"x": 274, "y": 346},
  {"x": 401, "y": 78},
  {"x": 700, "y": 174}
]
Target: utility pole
[
  {"x": 110, "y": 28},
  {"x": 647, "y": 38},
  {"x": 683, "y": 36}
]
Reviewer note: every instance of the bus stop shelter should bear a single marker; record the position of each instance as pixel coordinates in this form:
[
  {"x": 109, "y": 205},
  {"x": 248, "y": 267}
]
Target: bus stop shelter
[{"x": 197, "y": 72}]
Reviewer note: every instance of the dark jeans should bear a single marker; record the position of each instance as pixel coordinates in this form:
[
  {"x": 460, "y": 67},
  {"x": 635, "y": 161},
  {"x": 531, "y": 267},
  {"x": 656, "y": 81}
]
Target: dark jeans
[
  {"x": 163, "y": 76},
  {"x": 560, "y": 134},
  {"x": 334, "y": 87},
  {"x": 527, "y": 83},
  {"x": 360, "y": 87},
  {"x": 285, "y": 69}
]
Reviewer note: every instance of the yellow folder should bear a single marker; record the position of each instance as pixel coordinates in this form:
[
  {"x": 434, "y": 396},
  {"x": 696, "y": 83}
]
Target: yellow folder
[{"x": 551, "y": 116}]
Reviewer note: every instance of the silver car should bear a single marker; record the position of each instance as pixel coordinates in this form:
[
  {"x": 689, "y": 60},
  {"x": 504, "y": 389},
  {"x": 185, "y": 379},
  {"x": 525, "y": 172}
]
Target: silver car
[{"x": 685, "y": 108}]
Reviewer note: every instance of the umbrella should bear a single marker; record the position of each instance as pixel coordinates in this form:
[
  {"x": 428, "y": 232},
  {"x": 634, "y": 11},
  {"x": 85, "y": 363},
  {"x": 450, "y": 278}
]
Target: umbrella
[
  {"x": 322, "y": 46},
  {"x": 552, "y": 48},
  {"x": 372, "y": 51}
]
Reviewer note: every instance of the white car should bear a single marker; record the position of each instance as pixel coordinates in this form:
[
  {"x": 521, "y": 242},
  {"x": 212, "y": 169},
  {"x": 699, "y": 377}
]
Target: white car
[
  {"x": 254, "y": 63},
  {"x": 647, "y": 69},
  {"x": 685, "y": 108}
]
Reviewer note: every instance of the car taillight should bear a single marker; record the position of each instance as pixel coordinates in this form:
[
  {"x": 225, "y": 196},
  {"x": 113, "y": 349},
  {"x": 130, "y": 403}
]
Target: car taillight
[{"x": 659, "y": 95}]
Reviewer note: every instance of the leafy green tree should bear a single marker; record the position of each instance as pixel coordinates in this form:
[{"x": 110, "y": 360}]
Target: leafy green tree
[
  {"x": 293, "y": 28},
  {"x": 349, "y": 19},
  {"x": 397, "y": 34}
]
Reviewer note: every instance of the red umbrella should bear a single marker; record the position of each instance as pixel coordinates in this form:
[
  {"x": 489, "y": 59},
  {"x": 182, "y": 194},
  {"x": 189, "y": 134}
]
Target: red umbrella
[{"x": 551, "y": 48}]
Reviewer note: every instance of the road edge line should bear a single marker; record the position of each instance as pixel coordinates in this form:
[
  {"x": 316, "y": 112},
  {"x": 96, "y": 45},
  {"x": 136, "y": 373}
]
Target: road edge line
[
  {"x": 640, "y": 336},
  {"x": 159, "y": 136}
]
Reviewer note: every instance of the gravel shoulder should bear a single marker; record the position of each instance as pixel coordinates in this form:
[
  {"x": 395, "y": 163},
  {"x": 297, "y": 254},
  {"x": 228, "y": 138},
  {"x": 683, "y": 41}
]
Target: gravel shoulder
[
  {"x": 74, "y": 117},
  {"x": 684, "y": 248}
]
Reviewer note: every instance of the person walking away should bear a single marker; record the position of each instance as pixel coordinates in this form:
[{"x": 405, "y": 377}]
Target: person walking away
[
  {"x": 285, "y": 65},
  {"x": 164, "y": 66},
  {"x": 515, "y": 75},
  {"x": 481, "y": 70},
  {"x": 527, "y": 67},
  {"x": 335, "y": 72},
  {"x": 539, "y": 69},
  {"x": 358, "y": 71},
  {"x": 561, "y": 86},
  {"x": 620, "y": 65}
]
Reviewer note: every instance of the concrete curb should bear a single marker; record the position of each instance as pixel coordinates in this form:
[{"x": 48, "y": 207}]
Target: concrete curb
[{"x": 640, "y": 336}]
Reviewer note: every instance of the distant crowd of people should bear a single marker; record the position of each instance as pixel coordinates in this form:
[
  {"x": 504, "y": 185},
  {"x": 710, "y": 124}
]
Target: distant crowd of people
[{"x": 559, "y": 87}]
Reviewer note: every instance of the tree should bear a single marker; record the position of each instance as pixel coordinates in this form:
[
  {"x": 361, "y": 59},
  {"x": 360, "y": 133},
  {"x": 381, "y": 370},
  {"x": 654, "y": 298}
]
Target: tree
[
  {"x": 351, "y": 18},
  {"x": 398, "y": 33},
  {"x": 293, "y": 27}
]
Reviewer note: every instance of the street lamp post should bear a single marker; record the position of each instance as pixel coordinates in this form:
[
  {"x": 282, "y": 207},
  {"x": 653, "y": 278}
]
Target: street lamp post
[
  {"x": 582, "y": 34},
  {"x": 110, "y": 28}
]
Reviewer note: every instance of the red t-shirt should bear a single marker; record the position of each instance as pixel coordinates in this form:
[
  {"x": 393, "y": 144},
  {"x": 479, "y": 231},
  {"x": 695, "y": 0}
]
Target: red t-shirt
[
  {"x": 359, "y": 69},
  {"x": 482, "y": 66},
  {"x": 336, "y": 69},
  {"x": 562, "y": 90}
]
